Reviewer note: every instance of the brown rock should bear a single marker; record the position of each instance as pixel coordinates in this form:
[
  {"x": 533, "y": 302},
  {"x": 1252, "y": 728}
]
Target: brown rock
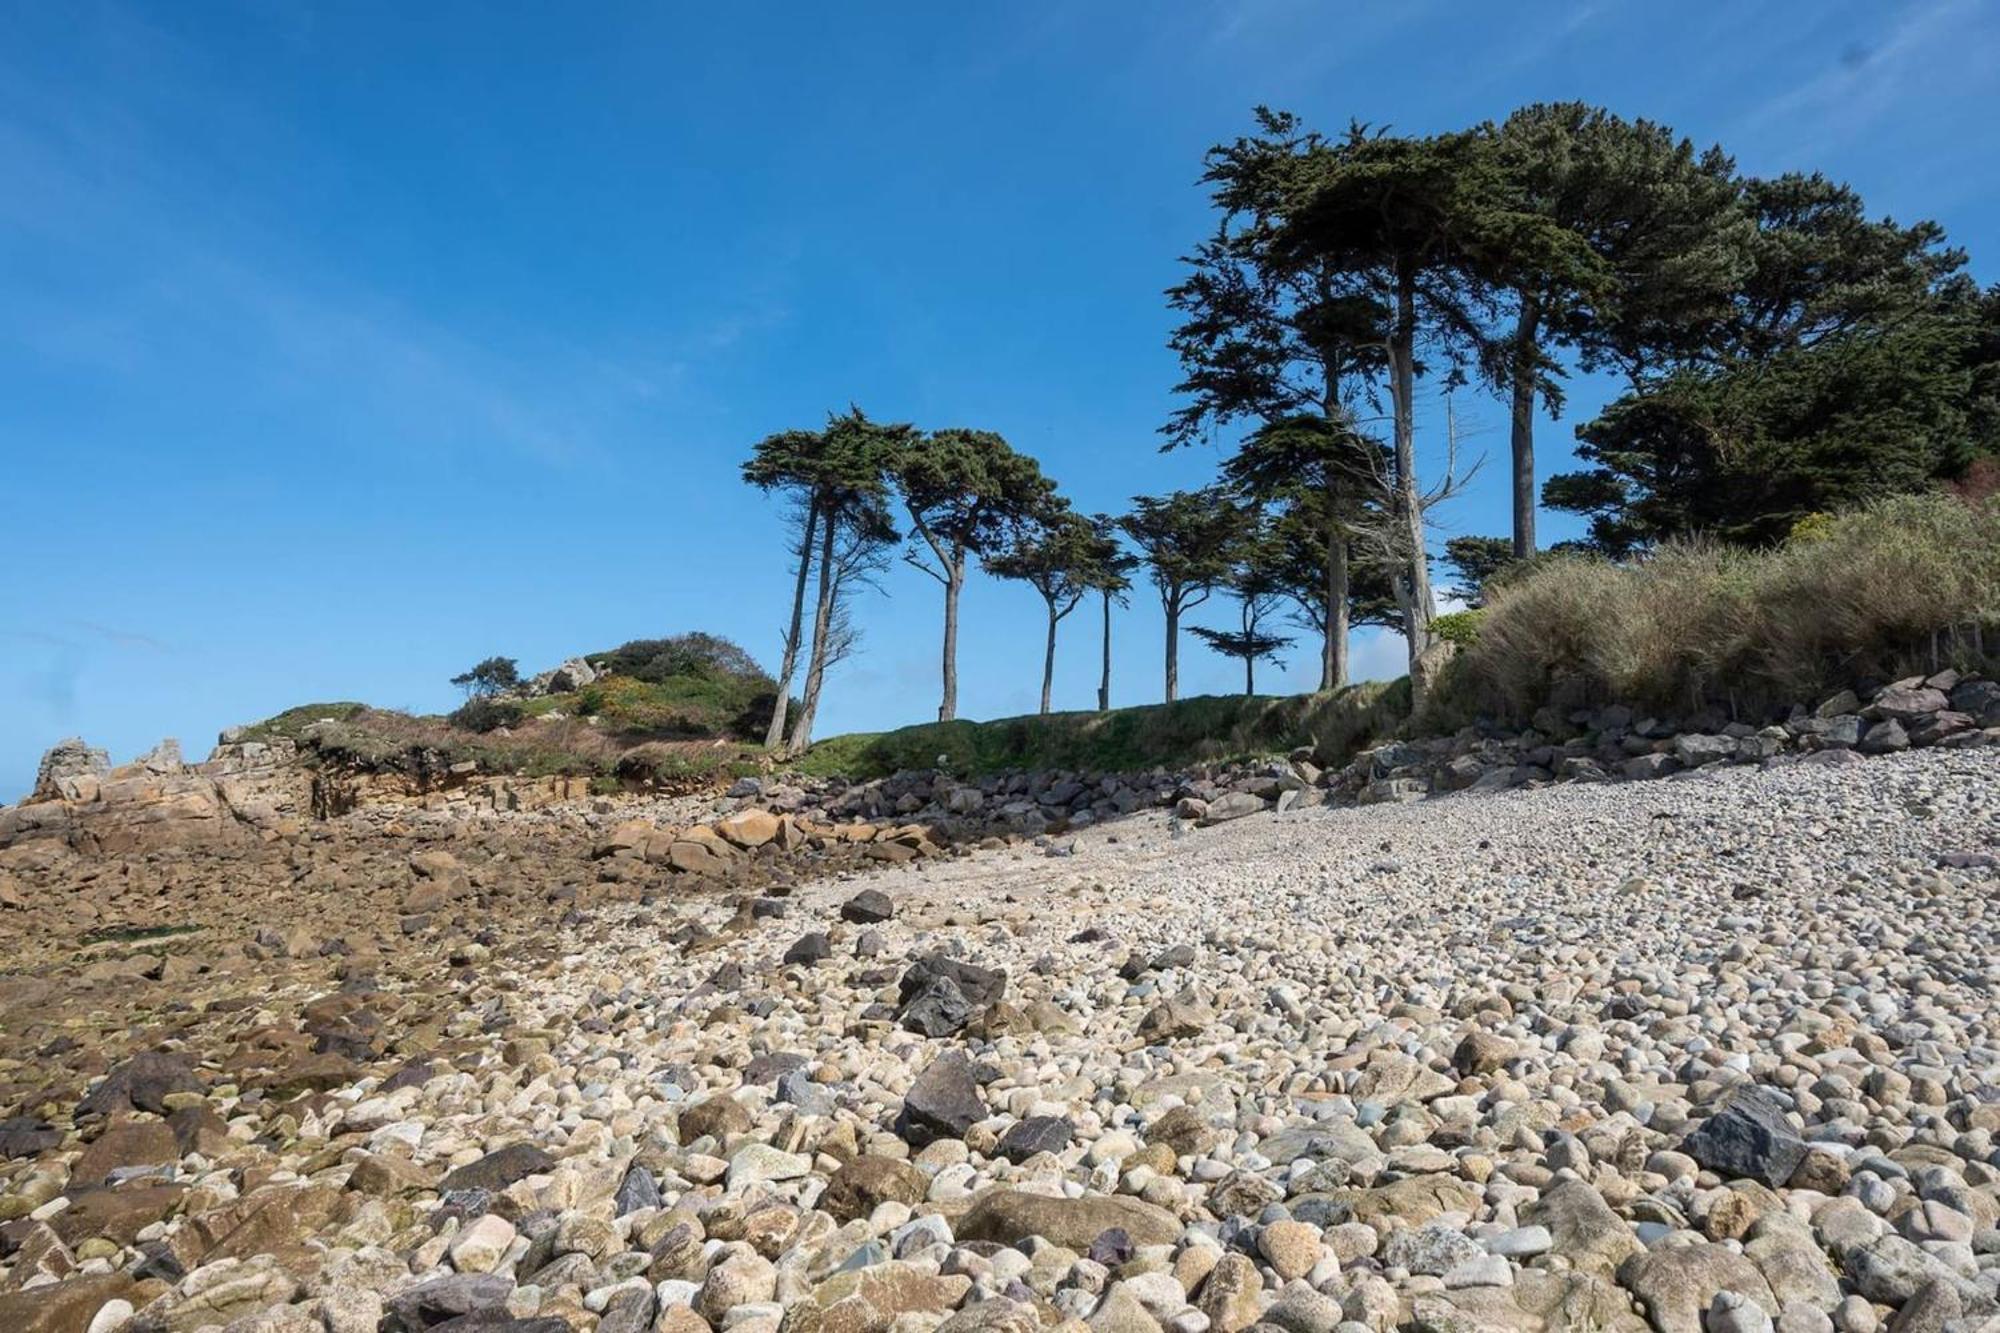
[
  {"x": 66, "y": 1307},
  {"x": 128, "y": 1143},
  {"x": 1010, "y": 1216},
  {"x": 865, "y": 1183},
  {"x": 715, "y": 1117},
  {"x": 749, "y": 829}
]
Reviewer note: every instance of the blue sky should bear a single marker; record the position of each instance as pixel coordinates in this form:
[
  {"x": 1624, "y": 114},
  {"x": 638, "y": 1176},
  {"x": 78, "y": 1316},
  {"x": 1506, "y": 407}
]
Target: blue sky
[{"x": 342, "y": 345}]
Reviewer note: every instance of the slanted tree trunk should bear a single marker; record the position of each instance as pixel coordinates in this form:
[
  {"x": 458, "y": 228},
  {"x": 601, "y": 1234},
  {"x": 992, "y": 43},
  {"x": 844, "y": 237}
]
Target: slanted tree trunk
[
  {"x": 1414, "y": 587},
  {"x": 822, "y": 642},
  {"x": 790, "y": 662},
  {"x": 1049, "y": 661},
  {"x": 1104, "y": 681},
  {"x": 1173, "y": 608},
  {"x": 1521, "y": 424},
  {"x": 954, "y": 581}
]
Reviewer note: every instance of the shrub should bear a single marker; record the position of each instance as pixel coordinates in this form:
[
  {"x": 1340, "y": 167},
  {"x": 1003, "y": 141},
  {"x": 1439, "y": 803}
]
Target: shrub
[
  {"x": 1906, "y": 584},
  {"x": 658, "y": 660},
  {"x": 1458, "y": 627},
  {"x": 482, "y": 714}
]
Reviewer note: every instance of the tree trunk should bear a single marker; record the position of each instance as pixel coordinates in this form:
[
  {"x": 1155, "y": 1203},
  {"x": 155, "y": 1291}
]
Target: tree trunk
[
  {"x": 1049, "y": 661},
  {"x": 1333, "y": 657},
  {"x": 822, "y": 636},
  {"x": 954, "y": 580},
  {"x": 1521, "y": 425},
  {"x": 1104, "y": 681},
  {"x": 1249, "y": 659},
  {"x": 790, "y": 663},
  {"x": 1415, "y": 585},
  {"x": 1173, "y": 648}
]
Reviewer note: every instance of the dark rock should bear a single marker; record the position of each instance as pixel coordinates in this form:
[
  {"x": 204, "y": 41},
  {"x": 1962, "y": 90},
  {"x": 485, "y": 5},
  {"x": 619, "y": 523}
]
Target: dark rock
[
  {"x": 772, "y": 1065},
  {"x": 867, "y": 908},
  {"x": 446, "y": 1299},
  {"x": 943, "y": 1103},
  {"x": 980, "y": 985},
  {"x": 1038, "y": 1133},
  {"x": 1748, "y": 1137},
  {"x": 1979, "y": 699},
  {"x": 939, "y": 1009},
  {"x": 638, "y": 1190},
  {"x": 499, "y": 1169},
  {"x": 1112, "y": 1248},
  {"x": 811, "y": 948},
  {"x": 412, "y": 1075},
  {"x": 25, "y": 1136},
  {"x": 142, "y": 1083}
]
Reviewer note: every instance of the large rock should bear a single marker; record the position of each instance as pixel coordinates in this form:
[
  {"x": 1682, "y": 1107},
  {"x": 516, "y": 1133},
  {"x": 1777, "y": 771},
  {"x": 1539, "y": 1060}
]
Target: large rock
[
  {"x": 1583, "y": 1228},
  {"x": 1676, "y": 1284},
  {"x": 142, "y": 1083},
  {"x": 1234, "y": 805},
  {"x": 1748, "y": 1138},
  {"x": 980, "y": 985},
  {"x": 943, "y": 1103},
  {"x": 1908, "y": 703},
  {"x": 748, "y": 829},
  {"x": 69, "y": 771},
  {"x": 1008, "y": 1217},
  {"x": 864, "y": 1184},
  {"x": 871, "y": 1299},
  {"x": 500, "y": 1168},
  {"x": 938, "y": 1009}
]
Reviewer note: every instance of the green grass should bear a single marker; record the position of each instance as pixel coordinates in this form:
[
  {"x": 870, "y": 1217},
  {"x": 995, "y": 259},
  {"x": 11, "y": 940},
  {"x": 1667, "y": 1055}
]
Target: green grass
[
  {"x": 288, "y": 724},
  {"x": 1203, "y": 730},
  {"x": 689, "y": 705}
]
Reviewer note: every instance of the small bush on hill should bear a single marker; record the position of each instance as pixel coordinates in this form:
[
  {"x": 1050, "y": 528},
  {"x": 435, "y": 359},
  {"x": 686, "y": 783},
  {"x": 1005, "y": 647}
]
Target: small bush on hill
[
  {"x": 658, "y": 660},
  {"x": 1906, "y": 584},
  {"x": 483, "y": 714}
]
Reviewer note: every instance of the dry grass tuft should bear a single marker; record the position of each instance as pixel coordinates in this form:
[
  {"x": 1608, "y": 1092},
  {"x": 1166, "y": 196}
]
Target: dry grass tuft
[{"x": 1907, "y": 584}]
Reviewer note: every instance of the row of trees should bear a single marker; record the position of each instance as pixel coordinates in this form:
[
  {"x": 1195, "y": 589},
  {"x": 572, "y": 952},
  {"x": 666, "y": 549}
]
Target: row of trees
[
  {"x": 964, "y": 495},
  {"x": 1781, "y": 354}
]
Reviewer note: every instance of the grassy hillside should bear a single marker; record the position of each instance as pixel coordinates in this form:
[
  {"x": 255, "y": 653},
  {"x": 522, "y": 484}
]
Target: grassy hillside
[{"x": 1208, "y": 729}]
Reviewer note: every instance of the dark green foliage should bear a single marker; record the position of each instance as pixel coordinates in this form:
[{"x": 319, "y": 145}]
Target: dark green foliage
[
  {"x": 489, "y": 677},
  {"x": 482, "y": 714},
  {"x": 1248, "y": 646},
  {"x": 1059, "y": 554},
  {"x": 1743, "y": 452},
  {"x": 1848, "y": 361},
  {"x": 695, "y": 654},
  {"x": 1476, "y": 560},
  {"x": 1188, "y": 540}
]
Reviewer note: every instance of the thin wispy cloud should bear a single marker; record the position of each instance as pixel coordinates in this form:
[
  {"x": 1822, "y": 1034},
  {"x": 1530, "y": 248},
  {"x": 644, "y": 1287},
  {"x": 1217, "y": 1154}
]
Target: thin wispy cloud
[{"x": 1873, "y": 74}]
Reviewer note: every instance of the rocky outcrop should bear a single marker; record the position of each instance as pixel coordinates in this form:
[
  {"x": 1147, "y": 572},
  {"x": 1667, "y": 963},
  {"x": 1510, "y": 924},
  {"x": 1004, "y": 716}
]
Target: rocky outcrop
[{"x": 243, "y": 789}]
